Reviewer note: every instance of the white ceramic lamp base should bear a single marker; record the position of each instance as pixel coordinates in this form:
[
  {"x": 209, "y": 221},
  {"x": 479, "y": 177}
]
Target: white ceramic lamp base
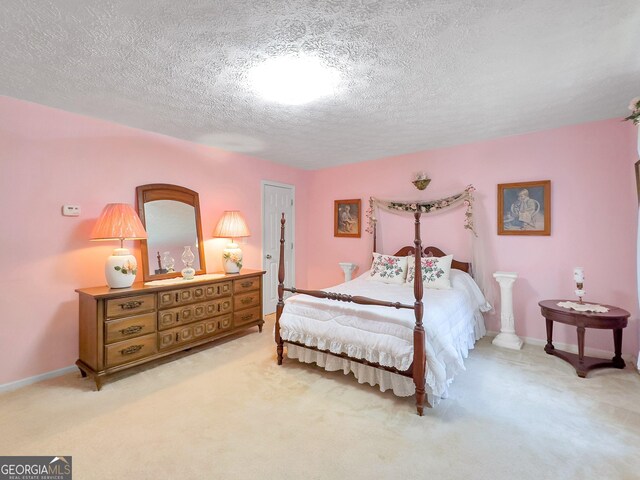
[
  {"x": 120, "y": 269},
  {"x": 232, "y": 258}
]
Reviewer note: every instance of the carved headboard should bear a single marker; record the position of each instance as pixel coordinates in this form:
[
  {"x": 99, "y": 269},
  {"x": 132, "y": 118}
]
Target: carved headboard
[{"x": 434, "y": 252}]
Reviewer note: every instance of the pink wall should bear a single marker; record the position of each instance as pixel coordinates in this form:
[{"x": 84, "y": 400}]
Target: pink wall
[
  {"x": 50, "y": 158},
  {"x": 593, "y": 217}
]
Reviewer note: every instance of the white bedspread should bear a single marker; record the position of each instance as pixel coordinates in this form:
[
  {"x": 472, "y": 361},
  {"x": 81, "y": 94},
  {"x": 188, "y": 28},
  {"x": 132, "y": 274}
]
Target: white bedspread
[{"x": 452, "y": 322}]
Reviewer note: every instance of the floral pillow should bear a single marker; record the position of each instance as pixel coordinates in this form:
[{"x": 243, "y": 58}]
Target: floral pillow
[
  {"x": 435, "y": 271},
  {"x": 388, "y": 269}
]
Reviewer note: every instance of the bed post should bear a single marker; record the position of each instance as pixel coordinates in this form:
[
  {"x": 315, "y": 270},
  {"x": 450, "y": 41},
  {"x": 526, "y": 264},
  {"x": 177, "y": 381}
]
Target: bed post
[
  {"x": 375, "y": 229},
  {"x": 280, "y": 305},
  {"x": 419, "y": 355}
]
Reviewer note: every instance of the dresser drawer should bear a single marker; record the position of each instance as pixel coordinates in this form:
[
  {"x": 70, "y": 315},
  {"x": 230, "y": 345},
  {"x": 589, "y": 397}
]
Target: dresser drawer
[
  {"x": 246, "y": 284},
  {"x": 246, "y": 316},
  {"x": 187, "y": 334},
  {"x": 222, "y": 289},
  {"x": 184, "y": 296},
  {"x": 246, "y": 300},
  {"x": 180, "y": 297},
  {"x": 129, "y": 327},
  {"x": 175, "y": 316},
  {"x": 130, "y": 350},
  {"x": 128, "y": 306}
]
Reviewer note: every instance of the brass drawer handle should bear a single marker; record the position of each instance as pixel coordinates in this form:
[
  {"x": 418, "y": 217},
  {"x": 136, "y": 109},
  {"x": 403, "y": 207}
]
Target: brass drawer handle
[
  {"x": 246, "y": 284},
  {"x": 245, "y": 301},
  {"x": 246, "y": 317},
  {"x": 130, "y": 305},
  {"x": 131, "y": 330},
  {"x": 131, "y": 350}
]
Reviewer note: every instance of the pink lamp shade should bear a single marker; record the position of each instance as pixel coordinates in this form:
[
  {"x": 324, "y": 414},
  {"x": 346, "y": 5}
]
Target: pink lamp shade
[
  {"x": 119, "y": 221},
  {"x": 232, "y": 225}
]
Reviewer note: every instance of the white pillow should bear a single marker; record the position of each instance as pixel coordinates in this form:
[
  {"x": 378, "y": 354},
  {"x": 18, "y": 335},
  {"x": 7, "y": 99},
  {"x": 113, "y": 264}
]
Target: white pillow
[
  {"x": 388, "y": 269},
  {"x": 435, "y": 271}
]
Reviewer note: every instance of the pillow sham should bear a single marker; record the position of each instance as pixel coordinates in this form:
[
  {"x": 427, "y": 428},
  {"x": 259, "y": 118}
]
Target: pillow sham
[
  {"x": 388, "y": 269},
  {"x": 435, "y": 271}
]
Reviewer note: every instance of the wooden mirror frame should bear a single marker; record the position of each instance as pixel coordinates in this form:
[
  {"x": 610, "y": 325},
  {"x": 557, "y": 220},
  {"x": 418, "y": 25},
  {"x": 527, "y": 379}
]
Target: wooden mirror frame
[{"x": 165, "y": 191}]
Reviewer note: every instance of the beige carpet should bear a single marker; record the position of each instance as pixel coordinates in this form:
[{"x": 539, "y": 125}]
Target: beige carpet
[{"x": 230, "y": 412}]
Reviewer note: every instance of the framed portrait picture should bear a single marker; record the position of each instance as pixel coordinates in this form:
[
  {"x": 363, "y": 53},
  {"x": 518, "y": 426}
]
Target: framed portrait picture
[
  {"x": 524, "y": 208},
  {"x": 347, "y": 218}
]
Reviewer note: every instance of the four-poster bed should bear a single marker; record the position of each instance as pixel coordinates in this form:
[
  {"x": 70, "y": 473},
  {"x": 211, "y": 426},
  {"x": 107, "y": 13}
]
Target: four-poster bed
[
  {"x": 403, "y": 347},
  {"x": 417, "y": 369}
]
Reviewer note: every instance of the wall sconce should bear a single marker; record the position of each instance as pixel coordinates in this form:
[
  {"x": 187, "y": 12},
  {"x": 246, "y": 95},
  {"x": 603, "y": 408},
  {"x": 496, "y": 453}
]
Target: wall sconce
[
  {"x": 421, "y": 180},
  {"x": 119, "y": 221},
  {"x": 232, "y": 225}
]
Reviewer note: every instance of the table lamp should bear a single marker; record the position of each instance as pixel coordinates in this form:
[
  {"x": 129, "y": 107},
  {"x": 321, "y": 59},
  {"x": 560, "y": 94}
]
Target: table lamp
[
  {"x": 578, "y": 277},
  {"x": 119, "y": 221},
  {"x": 232, "y": 225}
]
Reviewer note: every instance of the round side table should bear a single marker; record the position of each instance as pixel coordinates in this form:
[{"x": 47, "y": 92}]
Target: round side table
[{"x": 615, "y": 319}]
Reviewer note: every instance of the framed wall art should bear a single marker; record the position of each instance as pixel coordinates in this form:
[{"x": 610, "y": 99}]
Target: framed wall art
[
  {"x": 524, "y": 208},
  {"x": 347, "y": 216}
]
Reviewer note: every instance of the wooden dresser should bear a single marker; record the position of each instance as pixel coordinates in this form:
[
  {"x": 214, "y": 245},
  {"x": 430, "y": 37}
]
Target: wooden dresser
[{"x": 123, "y": 328}]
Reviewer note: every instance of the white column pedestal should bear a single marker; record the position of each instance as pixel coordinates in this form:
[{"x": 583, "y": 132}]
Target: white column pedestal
[
  {"x": 348, "y": 269},
  {"x": 507, "y": 337}
]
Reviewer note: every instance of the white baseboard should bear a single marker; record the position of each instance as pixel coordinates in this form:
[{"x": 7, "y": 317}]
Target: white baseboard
[
  {"x": 567, "y": 347},
  {"x": 37, "y": 378}
]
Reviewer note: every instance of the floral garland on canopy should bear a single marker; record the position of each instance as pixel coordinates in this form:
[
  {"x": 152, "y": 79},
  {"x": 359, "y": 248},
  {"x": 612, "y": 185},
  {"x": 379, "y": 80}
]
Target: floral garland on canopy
[
  {"x": 432, "y": 206},
  {"x": 464, "y": 198}
]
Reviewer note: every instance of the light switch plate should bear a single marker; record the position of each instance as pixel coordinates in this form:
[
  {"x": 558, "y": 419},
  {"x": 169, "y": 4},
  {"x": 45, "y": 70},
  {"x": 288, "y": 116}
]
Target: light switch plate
[{"x": 71, "y": 210}]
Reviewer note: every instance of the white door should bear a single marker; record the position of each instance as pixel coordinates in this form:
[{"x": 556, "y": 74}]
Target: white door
[{"x": 276, "y": 199}]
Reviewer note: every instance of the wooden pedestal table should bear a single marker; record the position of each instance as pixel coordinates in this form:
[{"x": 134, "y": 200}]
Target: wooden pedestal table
[{"x": 615, "y": 319}]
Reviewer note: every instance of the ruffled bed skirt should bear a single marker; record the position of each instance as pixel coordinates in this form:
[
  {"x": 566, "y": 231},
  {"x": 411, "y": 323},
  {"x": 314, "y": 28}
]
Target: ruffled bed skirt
[{"x": 400, "y": 385}]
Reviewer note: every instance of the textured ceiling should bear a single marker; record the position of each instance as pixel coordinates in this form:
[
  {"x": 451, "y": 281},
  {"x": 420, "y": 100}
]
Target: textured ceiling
[{"x": 416, "y": 74}]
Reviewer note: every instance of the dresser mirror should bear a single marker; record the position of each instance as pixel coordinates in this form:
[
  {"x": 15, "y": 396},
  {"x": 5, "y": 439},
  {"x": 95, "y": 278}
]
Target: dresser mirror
[{"x": 171, "y": 216}]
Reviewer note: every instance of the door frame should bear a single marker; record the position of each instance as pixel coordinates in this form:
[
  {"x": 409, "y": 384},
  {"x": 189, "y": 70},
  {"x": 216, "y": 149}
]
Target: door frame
[{"x": 291, "y": 224}]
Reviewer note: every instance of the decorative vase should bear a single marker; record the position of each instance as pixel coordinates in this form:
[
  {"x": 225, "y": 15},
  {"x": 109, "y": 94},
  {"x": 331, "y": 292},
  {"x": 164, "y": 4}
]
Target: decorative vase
[
  {"x": 120, "y": 269},
  {"x": 188, "y": 272},
  {"x": 232, "y": 258},
  {"x": 169, "y": 262}
]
